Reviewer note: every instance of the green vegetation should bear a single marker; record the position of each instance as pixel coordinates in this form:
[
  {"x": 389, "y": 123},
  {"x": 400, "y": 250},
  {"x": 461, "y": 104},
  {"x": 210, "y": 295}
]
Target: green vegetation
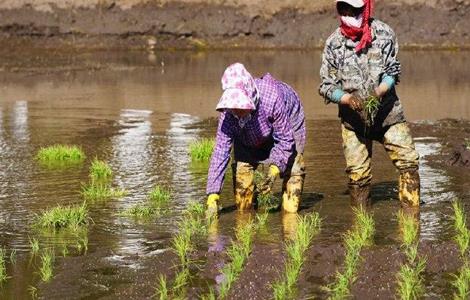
[
  {"x": 3, "y": 268},
  {"x": 100, "y": 172},
  {"x": 60, "y": 155},
  {"x": 70, "y": 217},
  {"x": 237, "y": 253},
  {"x": 45, "y": 271},
  {"x": 202, "y": 149},
  {"x": 192, "y": 224},
  {"x": 161, "y": 290},
  {"x": 34, "y": 245},
  {"x": 354, "y": 241},
  {"x": 307, "y": 229},
  {"x": 33, "y": 292},
  {"x": 99, "y": 187},
  {"x": 101, "y": 192},
  {"x": 157, "y": 198},
  {"x": 410, "y": 276},
  {"x": 467, "y": 144},
  {"x": 462, "y": 237}
]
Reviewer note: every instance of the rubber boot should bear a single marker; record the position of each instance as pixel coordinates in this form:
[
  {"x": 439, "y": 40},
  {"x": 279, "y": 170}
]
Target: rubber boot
[
  {"x": 243, "y": 186},
  {"x": 360, "y": 196},
  {"x": 290, "y": 223},
  {"x": 409, "y": 188}
]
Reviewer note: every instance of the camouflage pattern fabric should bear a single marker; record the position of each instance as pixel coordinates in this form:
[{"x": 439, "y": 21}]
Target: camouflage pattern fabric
[{"x": 359, "y": 73}]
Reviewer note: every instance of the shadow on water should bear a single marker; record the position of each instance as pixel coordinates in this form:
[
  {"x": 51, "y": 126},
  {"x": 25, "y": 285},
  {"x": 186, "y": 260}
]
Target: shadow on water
[{"x": 140, "y": 118}]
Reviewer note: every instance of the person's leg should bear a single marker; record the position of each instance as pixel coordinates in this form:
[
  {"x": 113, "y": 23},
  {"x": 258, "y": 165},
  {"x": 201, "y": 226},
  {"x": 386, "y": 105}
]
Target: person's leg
[
  {"x": 357, "y": 152},
  {"x": 400, "y": 147},
  {"x": 243, "y": 184},
  {"x": 293, "y": 185}
]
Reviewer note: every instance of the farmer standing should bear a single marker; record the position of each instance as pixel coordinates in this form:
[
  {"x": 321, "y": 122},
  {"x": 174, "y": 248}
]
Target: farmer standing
[
  {"x": 263, "y": 120},
  {"x": 359, "y": 66}
]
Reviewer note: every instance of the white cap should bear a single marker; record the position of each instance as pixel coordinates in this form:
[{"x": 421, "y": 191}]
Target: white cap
[{"x": 353, "y": 3}]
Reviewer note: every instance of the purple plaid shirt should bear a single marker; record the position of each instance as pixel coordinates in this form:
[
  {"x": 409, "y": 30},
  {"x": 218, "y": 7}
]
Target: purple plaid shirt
[{"x": 276, "y": 128}]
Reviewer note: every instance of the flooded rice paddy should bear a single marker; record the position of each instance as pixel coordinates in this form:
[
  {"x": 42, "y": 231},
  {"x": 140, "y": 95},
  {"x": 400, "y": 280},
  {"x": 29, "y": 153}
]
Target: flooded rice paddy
[{"x": 139, "y": 112}]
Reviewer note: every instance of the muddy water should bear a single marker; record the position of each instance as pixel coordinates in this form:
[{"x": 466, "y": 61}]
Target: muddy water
[{"x": 139, "y": 111}]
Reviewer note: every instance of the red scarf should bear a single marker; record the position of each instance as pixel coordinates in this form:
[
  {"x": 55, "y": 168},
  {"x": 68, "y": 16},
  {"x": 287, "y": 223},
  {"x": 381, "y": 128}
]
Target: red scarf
[{"x": 363, "y": 34}]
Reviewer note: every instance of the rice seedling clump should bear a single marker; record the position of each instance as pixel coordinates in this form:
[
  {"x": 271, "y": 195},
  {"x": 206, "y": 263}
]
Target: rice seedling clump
[
  {"x": 60, "y": 155},
  {"x": 201, "y": 150},
  {"x": 70, "y": 217},
  {"x": 308, "y": 227},
  {"x": 354, "y": 241},
  {"x": 461, "y": 281},
  {"x": 3, "y": 268},
  {"x": 410, "y": 276},
  {"x": 157, "y": 199},
  {"x": 46, "y": 271},
  {"x": 100, "y": 172},
  {"x": 99, "y": 187}
]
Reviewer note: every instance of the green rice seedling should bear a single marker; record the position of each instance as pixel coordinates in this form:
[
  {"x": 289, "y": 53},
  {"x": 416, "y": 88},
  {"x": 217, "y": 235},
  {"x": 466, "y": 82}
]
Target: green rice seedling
[
  {"x": 60, "y": 155},
  {"x": 45, "y": 271},
  {"x": 101, "y": 192},
  {"x": 202, "y": 149},
  {"x": 142, "y": 211},
  {"x": 462, "y": 237},
  {"x": 100, "y": 172},
  {"x": 34, "y": 245},
  {"x": 262, "y": 218},
  {"x": 237, "y": 253},
  {"x": 181, "y": 244},
  {"x": 267, "y": 201},
  {"x": 371, "y": 106},
  {"x": 259, "y": 177},
  {"x": 180, "y": 282},
  {"x": 308, "y": 227},
  {"x": 461, "y": 283},
  {"x": 70, "y": 217},
  {"x": 209, "y": 296},
  {"x": 354, "y": 241},
  {"x": 161, "y": 290},
  {"x": 159, "y": 196},
  {"x": 33, "y": 292},
  {"x": 3, "y": 268},
  {"x": 410, "y": 275}
]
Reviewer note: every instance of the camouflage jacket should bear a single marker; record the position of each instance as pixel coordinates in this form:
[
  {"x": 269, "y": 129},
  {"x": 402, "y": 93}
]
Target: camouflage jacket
[{"x": 358, "y": 73}]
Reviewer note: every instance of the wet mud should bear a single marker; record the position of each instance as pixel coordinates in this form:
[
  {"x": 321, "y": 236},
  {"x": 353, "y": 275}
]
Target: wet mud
[
  {"x": 141, "y": 118},
  {"x": 216, "y": 24}
]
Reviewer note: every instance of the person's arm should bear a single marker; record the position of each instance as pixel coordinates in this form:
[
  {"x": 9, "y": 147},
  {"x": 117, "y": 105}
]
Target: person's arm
[
  {"x": 283, "y": 136},
  {"x": 330, "y": 86},
  {"x": 392, "y": 68},
  {"x": 221, "y": 155}
]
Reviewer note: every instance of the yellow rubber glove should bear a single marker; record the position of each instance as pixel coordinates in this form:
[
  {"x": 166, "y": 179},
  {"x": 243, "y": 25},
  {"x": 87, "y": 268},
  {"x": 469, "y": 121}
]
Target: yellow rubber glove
[
  {"x": 274, "y": 171},
  {"x": 212, "y": 204},
  {"x": 268, "y": 183}
]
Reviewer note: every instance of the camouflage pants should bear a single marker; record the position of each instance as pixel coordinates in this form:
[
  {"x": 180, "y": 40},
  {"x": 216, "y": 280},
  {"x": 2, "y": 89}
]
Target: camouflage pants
[
  {"x": 293, "y": 182},
  {"x": 399, "y": 145}
]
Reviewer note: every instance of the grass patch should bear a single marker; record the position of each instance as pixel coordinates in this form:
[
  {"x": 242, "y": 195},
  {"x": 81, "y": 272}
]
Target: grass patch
[
  {"x": 410, "y": 276},
  {"x": 46, "y": 271},
  {"x": 307, "y": 229},
  {"x": 201, "y": 150},
  {"x": 101, "y": 192},
  {"x": 157, "y": 198},
  {"x": 462, "y": 237},
  {"x": 354, "y": 241},
  {"x": 3, "y": 267},
  {"x": 100, "y": 172},
  {"x": 69, "y": 217},
  {"x": 60, "y": 155}
]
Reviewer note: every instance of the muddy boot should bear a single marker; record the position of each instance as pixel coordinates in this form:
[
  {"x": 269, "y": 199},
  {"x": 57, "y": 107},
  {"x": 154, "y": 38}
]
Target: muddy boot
[
  {"x": 243, "y": 185},
  {"x": 360, "y": 195},
  {"x": 409, "y": 188},
  {"x": 292, "y": 194}
]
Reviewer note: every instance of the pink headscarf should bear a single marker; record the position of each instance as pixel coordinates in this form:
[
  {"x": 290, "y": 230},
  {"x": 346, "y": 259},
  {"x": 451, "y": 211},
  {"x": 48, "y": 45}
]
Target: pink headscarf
[{"x": 239, "y": 87}]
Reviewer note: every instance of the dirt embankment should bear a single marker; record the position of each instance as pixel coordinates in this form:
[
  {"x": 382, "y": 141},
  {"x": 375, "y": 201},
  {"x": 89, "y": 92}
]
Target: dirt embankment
[{"x": 106, "y": 24}]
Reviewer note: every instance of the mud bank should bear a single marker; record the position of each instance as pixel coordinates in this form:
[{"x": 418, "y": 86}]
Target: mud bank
[{"x": 216, "y": 24}]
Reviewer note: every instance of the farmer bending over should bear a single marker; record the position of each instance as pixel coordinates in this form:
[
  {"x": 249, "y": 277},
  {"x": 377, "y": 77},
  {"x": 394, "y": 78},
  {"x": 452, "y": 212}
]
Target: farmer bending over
[
  {"x": 359, "y": 72},
  {"x": 264, "y": 120}
]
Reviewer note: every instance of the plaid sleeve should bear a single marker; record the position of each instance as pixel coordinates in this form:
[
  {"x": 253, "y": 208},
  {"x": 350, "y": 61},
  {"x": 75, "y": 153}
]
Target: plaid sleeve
[
  {"x": 221, "y": 155},
  {"x": 283, "y": 136}
]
